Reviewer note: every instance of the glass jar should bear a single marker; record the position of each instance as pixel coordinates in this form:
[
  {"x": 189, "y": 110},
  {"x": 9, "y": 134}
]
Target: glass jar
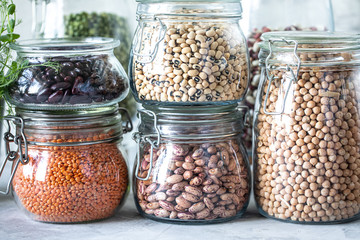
[
  {"x": 280, "y": 15},
  {"x": 346, "y": 15},
  {"x": 68, "y": 74},
  {"x": 70, "y": 168},
  {"x": 191, "y": 165},
  {"x": 81, "y": 18},
  {"x": 189, "y": 53},
  {"x": 307, "y": 142}
]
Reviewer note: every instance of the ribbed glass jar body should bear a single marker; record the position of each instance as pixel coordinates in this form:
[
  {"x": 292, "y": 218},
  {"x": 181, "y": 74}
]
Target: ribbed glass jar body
[
  {"x": 189, "y": 53},
  {"x": 306, "y": 150},
  {"x": 76, "y": 171},
  {"x": 68, "y": 74},
  {"x": 197, "y": 171}
]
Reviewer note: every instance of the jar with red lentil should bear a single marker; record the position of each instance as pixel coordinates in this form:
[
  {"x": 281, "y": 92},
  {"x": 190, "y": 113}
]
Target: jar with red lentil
[
  {"x": 279, "y": 15},
  {"x": 69, "y": 167},
  {"x": 189, "y": 53},
  {"x": 191, "y": 166},
  {"x": 307, "y": 128}
]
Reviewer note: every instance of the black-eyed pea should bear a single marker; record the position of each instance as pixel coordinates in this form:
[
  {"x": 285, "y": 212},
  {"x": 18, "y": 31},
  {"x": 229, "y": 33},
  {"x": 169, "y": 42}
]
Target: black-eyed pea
[
  {"x": 203, "y": 75},
  {"x": 202, "y": 98},
  {"x": 203, "y": 51}
]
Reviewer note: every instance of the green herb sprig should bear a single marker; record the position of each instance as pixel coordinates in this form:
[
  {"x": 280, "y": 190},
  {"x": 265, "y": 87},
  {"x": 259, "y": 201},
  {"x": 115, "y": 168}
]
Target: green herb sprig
[
  {"x": 7, "y": 36},
  {"x": 9, "y": 69}
]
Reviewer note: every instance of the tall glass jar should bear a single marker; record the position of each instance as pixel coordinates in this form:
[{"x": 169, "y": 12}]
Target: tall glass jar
[
  {"x": 307, "y": 128},
  {"x": 69, "y": 166},
  {"x": 280, "y": 15},
  {"x": 84, "y": 18},
  {"x": 191, "y": 166},
  {"x": 189, "y": 53},
  {"x": 68, "y": 74}
]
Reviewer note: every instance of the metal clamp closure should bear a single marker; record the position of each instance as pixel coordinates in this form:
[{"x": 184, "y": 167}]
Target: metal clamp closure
[
  {"x": 128, "y": 127},
  {"x": 21, "y": 153},
  {"x": 138, "y": 137},
  {"x": 136, "y": 50},
  {"x": 287, "y": 68},
  {"x": 247, "y": 117}
]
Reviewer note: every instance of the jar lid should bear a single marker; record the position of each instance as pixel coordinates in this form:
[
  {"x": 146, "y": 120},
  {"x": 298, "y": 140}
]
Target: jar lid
[
  {"x": 65, "y": 46},
  {"x": 214, "y": 8},
  {"x": 322, "y": 41},
  {"x": 197, "y": 122},
  {"x": 310, "y": 48},
  {"x": 72, "y": 127}
]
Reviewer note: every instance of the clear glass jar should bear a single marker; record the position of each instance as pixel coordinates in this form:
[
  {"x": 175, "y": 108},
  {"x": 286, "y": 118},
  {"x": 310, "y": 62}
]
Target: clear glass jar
[
  {"x": 81, "y": 18},
  {"x": 280, "y": 15},
  {"x": 68, "y": 74},
  {"x": 346, "y": 15},
  {"x": 307, "y": 138},
  {"x": 189, "y": 53},
  {"x": 191, "y": 165},
  {"x": 71, "y": 168}
]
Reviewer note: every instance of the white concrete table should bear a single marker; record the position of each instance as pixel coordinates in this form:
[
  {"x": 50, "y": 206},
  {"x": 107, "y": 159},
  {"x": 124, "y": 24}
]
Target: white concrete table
[{"x": 127, "y": 224}]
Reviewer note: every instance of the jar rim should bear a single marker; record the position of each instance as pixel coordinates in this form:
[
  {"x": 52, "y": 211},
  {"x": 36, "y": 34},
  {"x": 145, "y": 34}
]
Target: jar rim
[
  {"x": 348, "y": 41},
  {"x": 68, "y": 123},
  {"x": 203, "y": 122},
  {"x": 67, "y": 114},
  {"x": 65, "y": 45},
  {"x": 179, "y": 8},
  {"x": 200, "y": 110}
]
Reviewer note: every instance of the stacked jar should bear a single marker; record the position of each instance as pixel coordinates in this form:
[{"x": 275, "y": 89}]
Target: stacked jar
[
  {"x": 306, "y": 150},
  {"x": 79, "y": 19},
  {"x": 68, "y": 166},
  {"x": 189, "y": 69},
  {"x": 280, "y": 15}
]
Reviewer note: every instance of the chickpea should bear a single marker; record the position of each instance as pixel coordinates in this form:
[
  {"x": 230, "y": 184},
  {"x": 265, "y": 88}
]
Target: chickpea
[{"x": 317, "y": 171}]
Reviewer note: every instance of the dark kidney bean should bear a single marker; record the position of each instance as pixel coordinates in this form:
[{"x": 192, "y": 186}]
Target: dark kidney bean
[
  {"x": 79, "y": 80},
  {"x": 60, "y": 86},
  {"x": 66, "y": 97},
  {"x": 44, "y": 95},
  {"x": 55, "y": 97},
  {"x": 29, "y": 98},
  {"x": 73, "y": 74},
  {"x": 80, "y": 99},
  {"x": 57, "y": 79},
  {"x": 67, "y": 66},
  {"x": 68, "y": 79},
  {"x": 50, "y": 73}
]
